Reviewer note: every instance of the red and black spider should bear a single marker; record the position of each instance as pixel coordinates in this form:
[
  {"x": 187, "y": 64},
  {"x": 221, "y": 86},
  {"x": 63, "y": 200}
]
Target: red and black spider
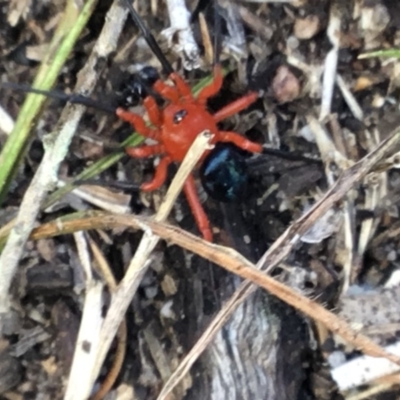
[{"x": 176, "y": 125}]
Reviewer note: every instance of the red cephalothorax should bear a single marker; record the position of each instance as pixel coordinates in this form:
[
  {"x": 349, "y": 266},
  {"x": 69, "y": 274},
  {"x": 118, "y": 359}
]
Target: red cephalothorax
[
  {"x": 176, "y": 126},
  {"x": 182, "y": 124}
]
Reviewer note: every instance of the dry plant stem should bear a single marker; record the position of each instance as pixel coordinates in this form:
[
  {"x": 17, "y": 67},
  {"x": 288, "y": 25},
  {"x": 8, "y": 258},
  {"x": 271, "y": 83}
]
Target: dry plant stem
[
  {"x": 236, "y": 39},
  {"x": 228, "y": 258},
  {"x": 330, "y": 62},
  {"x": 328, "y": 150},
  {"x": 206, "y": 39},
  {"x": 373, "y": 190},
  {"x": 56, "y": 148},
  {"x": 138, "y": 266},
  {"x": 349, "y": 98},
  {"x": 73, "y": 18},
  {"x": 156, "y": 349},
  {"x": 181, "y": 30},
  {"x": 83, "y": 252},
  {"x": 103, "y": 198},
  {"x": 337, "y": 136},
  {"x": 255, "y": 23},
  {"x": 87, "y": 342},
  {"x": 234, "y": 262},
  {"x": 332, "y": 152},
  {"x": 349, "y": 257},
  {"x": 83, "y": 365},
  {"x": 118, "y": 361},
  {"x": 79, "y": 387},
  {"x": 375, "y": 187},
  {"x": 282, "y": 247},
  {"x": 120, "y": 352}
]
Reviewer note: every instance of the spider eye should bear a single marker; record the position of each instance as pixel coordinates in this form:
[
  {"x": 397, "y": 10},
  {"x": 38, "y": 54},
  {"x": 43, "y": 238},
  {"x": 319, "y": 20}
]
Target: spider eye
[{"x": 178, "y": 117}]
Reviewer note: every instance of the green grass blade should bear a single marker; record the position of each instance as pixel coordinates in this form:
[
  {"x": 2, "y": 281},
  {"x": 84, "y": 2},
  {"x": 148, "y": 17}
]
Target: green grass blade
[
  {"x": 381, "y": 53},
  {"x": 67, "y": 33}
]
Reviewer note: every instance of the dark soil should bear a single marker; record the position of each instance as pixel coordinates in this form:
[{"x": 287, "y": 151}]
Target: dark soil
[{"x": 283, "y": 54}]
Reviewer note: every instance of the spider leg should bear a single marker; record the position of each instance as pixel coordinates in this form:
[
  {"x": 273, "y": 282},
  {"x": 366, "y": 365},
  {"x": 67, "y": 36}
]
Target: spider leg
[
  {"x": 153, "y": 111},
  {"x": 138, "y": 123},
  {"x": 214, "y": 87},
  {"x": 183, "y": 88},
  {"x": 197, "y": 209},
  {"x": 145, "y": 151},
  {"x": 236, "y": 106},
  {"x": 159, "y": 176},
  {"x": 166, "y": 91},
  {"x": 239, "y": 141}
]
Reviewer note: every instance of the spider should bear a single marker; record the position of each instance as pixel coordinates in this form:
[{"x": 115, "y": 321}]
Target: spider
[{"x": 177, "y": 125}]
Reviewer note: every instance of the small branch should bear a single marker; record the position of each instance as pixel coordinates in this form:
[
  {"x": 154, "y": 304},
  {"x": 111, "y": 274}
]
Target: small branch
[
  {"x": 331, "y": 61},
  {"x": 79, "y": 386},
  {"x": 236, "y": 263},
  {"x": 185, "y": 45},
  {"x": 127, "y": 288},
  {"x": 56, "y": 149}
]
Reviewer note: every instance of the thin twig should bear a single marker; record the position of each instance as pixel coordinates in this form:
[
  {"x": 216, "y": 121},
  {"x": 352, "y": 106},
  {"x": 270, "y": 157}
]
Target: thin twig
[
  {"x": 56, "y": 146},
  {"x": 138, "y": 266},
  {"x": 120, "y": 350},
  {"x": 331, "y": 61},
  {"x": 237, "y": 264},
  {"x": 234, "y": 262},
  {"x": 87, "y": 341},
  {"x": 282, "y": 247},
  {"x": 180, "y": 28}
]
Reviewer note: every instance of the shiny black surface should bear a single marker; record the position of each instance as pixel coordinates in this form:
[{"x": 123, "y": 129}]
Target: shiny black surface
[
  {"x": 224, "y": 173},
  {"x": 138, "y": 86}
]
